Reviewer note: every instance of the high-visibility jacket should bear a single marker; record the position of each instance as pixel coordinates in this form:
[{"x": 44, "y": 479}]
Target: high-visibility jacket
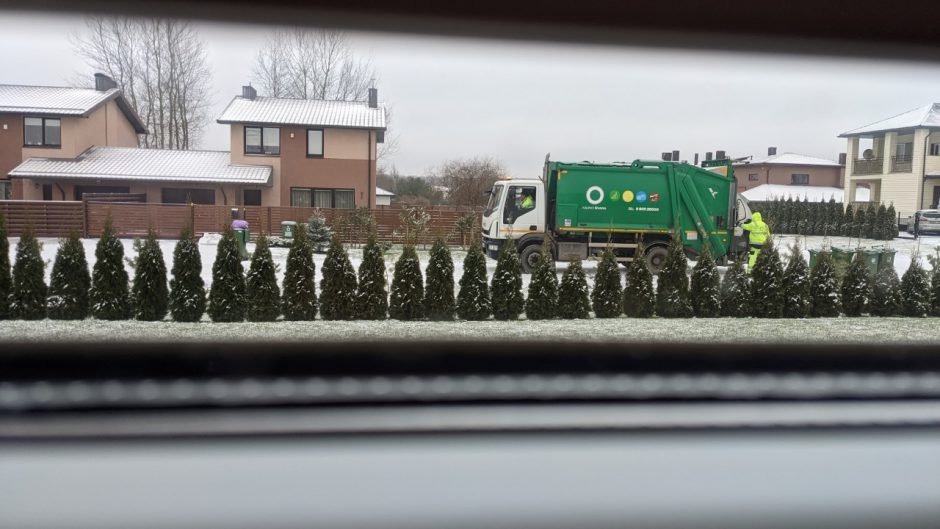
[
  {"x": 528, "y": 202},
  {"x": 757, "y": 229}
]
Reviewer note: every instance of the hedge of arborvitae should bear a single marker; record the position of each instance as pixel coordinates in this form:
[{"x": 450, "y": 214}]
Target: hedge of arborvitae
[
  {"x": 6, "y": 281},
  {"x": 338, "y": 284},
  {"x": 775, "y": 288},
  {"x": 802, "y": 217}
]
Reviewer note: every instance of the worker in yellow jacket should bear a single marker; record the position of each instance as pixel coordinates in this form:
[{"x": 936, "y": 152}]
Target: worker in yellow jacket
[{"x": 758, "y": 233}]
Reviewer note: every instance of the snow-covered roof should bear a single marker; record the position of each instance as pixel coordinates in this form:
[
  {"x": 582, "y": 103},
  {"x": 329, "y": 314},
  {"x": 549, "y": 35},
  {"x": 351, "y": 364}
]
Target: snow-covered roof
[
  {"x": 925, "y": 116},
  {"x": 128, "y": 163},
  {"x": 790, "y": 158},
  {"x": 379, "y": 192},
  {"x": 304, "y": 112},
  {"x": 812, "y": 193},
  {"x": 62, "y": 101}
]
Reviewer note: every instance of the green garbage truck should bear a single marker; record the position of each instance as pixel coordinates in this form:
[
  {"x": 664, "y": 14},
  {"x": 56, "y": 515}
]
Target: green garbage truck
[{"x": 582, "y": 208}]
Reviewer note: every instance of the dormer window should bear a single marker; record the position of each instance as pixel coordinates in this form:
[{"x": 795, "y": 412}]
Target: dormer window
[
  {"x": 262, "y": 140},
  {"x": 42, "y": 132}
]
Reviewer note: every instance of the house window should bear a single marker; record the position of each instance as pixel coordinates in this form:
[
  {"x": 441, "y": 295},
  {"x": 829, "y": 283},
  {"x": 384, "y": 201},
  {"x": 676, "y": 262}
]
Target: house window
[
  {"x": 935, "y": 149},
  {"x": 47, "y": 191},
  {"x": 752, "y": 177},
  {"x": 42, "y": 132},
  {"x": 263, "y": 140},
  {"x": 323, "y": 198},
  {"x": 173, "y": 195},
  {"x": 6, "y": 190},
  {"x": 905, "y": 151},
  {"x": 81, "y": 191},
  {"x": 314, "y": 143},
  {"x": 799, "y": 179},
  {"x": 251, "y": 197}
]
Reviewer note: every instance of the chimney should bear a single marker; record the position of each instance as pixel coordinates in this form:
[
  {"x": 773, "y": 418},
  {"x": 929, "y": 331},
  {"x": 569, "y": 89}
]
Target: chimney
[
  {"x": 842, "y": 157},
  {"x": 696, "y": 159},
  {"x": 103, "y": 83},
  {"x": 667, "y": 156},
  {"x": 771, "y": 151},
  {"x": 708, "y": 156},
  {"x": 675, "y": 156},
  {"x": 719, "y": 155},
  {"x": 248, "y": 92},
  {"x": 373, "y": 98}
]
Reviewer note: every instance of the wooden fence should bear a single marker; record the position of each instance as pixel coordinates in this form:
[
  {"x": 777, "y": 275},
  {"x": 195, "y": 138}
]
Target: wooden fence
[{"x": 58, "y": 218}]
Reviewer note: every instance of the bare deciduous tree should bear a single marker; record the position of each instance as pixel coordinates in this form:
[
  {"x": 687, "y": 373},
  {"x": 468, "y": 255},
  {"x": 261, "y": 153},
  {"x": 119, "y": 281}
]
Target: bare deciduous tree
[
  {"x": 469, "y": 179},
  {"x": 161, "y": 66}
]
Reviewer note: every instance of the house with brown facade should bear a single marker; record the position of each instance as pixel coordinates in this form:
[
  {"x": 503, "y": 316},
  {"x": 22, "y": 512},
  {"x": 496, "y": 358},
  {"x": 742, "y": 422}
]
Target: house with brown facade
[
  {"x": 788, "y": 169},
  {"x": 322, "y": 153},
  {"x": 59, "y": 123}
]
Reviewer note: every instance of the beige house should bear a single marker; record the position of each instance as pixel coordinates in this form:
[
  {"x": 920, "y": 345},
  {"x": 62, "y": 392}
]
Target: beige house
[
  {"x": 59, "y": 123},
  {"x": 898, "y": 159}
]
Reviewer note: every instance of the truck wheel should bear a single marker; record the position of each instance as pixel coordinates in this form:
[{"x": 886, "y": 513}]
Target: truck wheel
[
  {"x": 530, "y": 257},
  {"x": 655, "y": 257}
]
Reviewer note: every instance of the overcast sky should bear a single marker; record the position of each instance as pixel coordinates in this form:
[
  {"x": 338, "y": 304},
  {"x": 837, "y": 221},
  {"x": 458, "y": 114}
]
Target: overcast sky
[{"x": 456, "y": 98}]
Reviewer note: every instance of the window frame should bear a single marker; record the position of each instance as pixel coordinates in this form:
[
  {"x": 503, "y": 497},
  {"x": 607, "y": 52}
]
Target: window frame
[
  {"x": 187, "y": 192},
  {"x": 44, "y": 143},
  {"x": 322, "y": 142},
  {"x": 934, "y": 149},
  {"x": 244, "y": 196},
  {"x": 793, "y": 181},
  {"x": 753, "y": 177},
  {"x": 313, "y": 190},
  {"x": 261, "y": 137}
]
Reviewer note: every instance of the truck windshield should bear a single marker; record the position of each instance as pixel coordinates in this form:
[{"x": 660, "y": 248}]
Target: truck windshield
[{"x": 495, "y": 194}]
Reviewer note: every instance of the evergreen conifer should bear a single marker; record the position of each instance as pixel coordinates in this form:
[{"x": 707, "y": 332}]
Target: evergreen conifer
[
  {"x": 439, "y": 303},
  {"x": 885, "y": 293},
  {"x": 573, "y": 302},
  {"x": 187, "y": 289},
  {"x": 672, "y": 286},
  {"x": 935, "y": 284},
  {"x": 824, "y": 288},
  {"x": 318, "y": 233},
  {"x": 407, "y": 297},
  {"x": 70, "y": 282},
  {"x": 848, "y": 221},
  {"x": 110, "y": 294},
  {"x": 149, "y": 293},
  {"x": 860, "y": 223},
  {"x": 227, "y": 301},
  {"x": 338, "y": 284},
  {"x": 508, "y": 302},
  {"x": 767, "y": 283},
  {"x": 639, "y": 298},
  {"x": 264, "y": 296},
  {"x": 473, "y": 299},
  {"x": 891, "y": 223},
  {"x": 372, "y": 290},
  {"x": 542, "y": 301},
  {"x": 915, "y": 291},
  {"x": 736, "y": 291},
  {"x": 28, "y": 292},
  {"x": 871, "y": 217},
  {"x": 299, "y": 297},
  {"x": 796, "y": 300},
  {"x": 6, "y": 281},
  {"x": 706, "y": 287},
  {"x": 878, "y": 229},
  {"x": 607, "y": 296},
  {"x": 856, "y": 287}
]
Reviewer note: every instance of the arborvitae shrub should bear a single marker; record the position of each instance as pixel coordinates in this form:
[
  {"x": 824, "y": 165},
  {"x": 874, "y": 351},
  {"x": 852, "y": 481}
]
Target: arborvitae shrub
[
  {"x": 885, "y": 293},
  {"x": 856, "y": 287},
  {"x": 860, "y": 223},
  {"x": 227, "y": 301},
  {"x": 871, "y": 217},
  {"x": 706, "y": 287},
  {"x": 915, "y": 291},
  {"x": 150, "y": 294},
  {"x": 796, "y": 299},
  {"x": 318, "y": 233},
  {"x": 6, "y": 281},
  {"x": 28, "y": 292},
  {"x": 573, "y": 302},
  {"x": 187, "y": 289},
  {"x": 372, "y": 291},
  {"x": 672, "y": 287},
  {"x": 848, "y": 221},
  {"x": 407, "y": 297},
  {"x": 607, "y": 296},
  {"x": 299, "y": 298},
  {"x": 508, "y": 302},
  {"x": 542, "y": 301},
  {"x": 891, "y": 223},
  {"x": 264, "y": 296},
  {"x": 824, "y": 288},
  {"x": 767, "y": 283},
  {"x": 639, "y": 298},
  {"x": 473, "y": 299},
  {"x": 439, "y": 300},
  {"x": 736, "y": 291},
  {"x": 110, "y": 295},
  {"x": 878, "y": 228},
  {"x": 70, "y": 282},
  {"x": 337, "y": 285}
]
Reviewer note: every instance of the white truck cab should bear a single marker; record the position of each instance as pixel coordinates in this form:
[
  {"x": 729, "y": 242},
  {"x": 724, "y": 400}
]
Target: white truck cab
[{"x": 515, "y": 210}]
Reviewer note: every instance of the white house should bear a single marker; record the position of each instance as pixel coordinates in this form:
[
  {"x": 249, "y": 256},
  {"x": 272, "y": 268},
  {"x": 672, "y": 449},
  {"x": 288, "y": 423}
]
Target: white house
[{"x": 383, "y": 197}]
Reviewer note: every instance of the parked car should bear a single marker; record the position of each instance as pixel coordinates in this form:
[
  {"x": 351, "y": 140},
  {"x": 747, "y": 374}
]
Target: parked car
[{"x": 925, "y": 220}]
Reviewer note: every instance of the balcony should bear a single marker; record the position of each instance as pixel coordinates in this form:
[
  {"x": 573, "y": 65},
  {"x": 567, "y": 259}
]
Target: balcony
[
  {"x": 902, "y": 163},
  {"x": 870, "y": 166}
]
